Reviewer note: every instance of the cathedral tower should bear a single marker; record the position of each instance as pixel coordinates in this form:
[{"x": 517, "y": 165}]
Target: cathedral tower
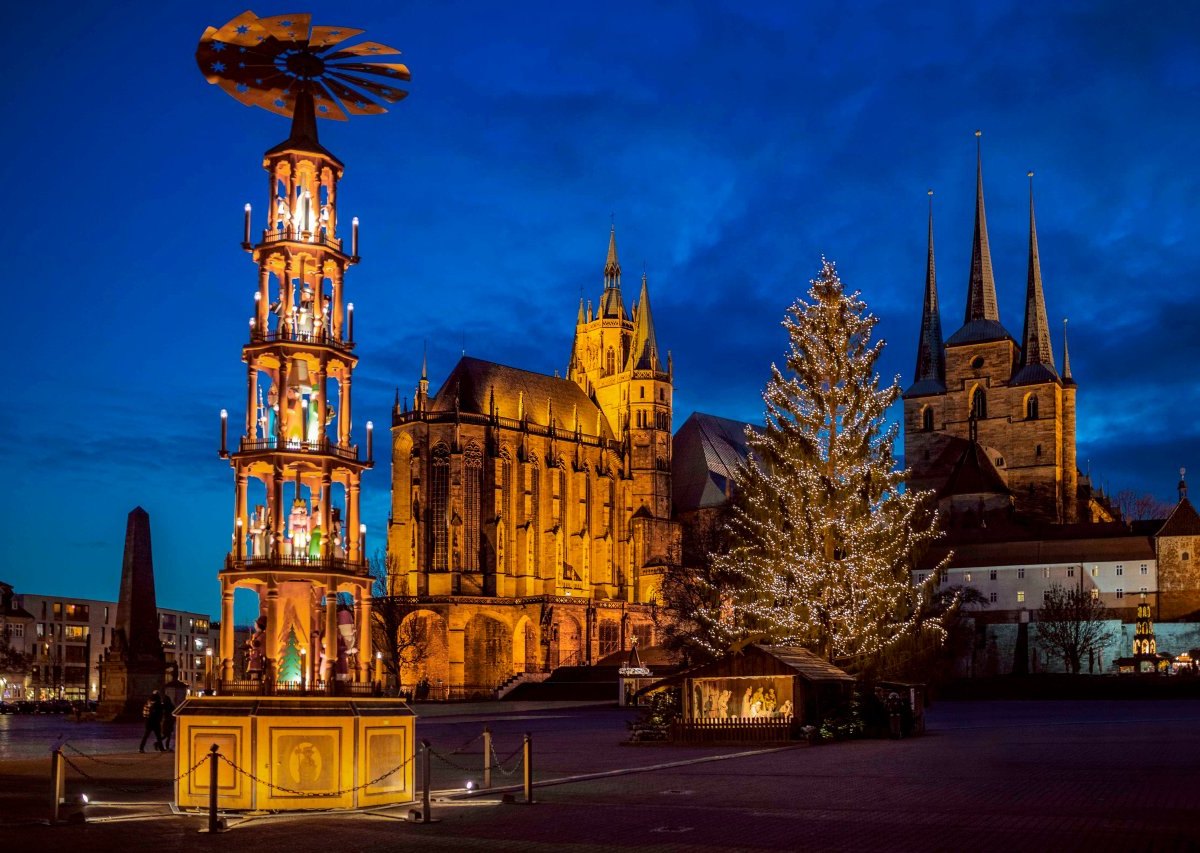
[
  {"x": 297, "y": 537},
  {"x": 984, "y": 389}
]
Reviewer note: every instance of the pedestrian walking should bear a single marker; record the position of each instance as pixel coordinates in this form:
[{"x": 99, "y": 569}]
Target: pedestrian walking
[
  {"x": 168, "y": 722},
  {"x": 152, "y": 711}
]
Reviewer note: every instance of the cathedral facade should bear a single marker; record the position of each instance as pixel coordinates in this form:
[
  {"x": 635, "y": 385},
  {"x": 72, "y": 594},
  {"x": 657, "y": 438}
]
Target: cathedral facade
[
  {"x": 531, "y": 514},
  {"x": 989, "y": 422}
]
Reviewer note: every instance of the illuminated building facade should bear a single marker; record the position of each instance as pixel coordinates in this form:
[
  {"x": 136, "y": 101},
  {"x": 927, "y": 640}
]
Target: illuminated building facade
[
  {"x": 297, "y": 540},
  {"x": 531, "y": 514}
]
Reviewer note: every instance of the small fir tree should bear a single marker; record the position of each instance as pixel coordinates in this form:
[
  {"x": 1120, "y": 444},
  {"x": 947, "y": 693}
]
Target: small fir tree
[
  {"x": 824, "y": 538},
  {"x": 289, "y": 663}
]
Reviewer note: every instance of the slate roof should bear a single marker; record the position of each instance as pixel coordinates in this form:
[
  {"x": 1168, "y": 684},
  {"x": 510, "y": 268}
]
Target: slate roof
[
  {"x": 1183, "y": 521},
  {"x": 1106, "y": 543},
  {"x": 978, "y": 331},
  {"x": 974, "y": 474},
  {"x": 473, "y": 381},
  {"x": 705, "y": 452}
]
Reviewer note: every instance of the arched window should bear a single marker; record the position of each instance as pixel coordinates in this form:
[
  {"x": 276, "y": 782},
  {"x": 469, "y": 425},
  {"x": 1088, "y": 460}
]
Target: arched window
[
  {"x": 1031, "y": 407},
  {"x": 535, "y": 528},
  {"x": 610, "y": 363},
  {"x": 439, "y": 492},
  {"x": 472, "y": 495},
  {"x": 927, "y": 419},
  {"x": 502, "y": 511},
  {"x": 979, "y": 404}
]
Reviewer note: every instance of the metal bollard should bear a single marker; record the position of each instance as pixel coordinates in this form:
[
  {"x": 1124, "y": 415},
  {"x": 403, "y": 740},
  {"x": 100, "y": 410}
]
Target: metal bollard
[
  {"x": 487, "y": 757},
  {"x": 58, "y": 783},
  {"x": 426, "y": 775},
  {"x": 214, "y": 823},
  {"x": 528, "y": 761}
]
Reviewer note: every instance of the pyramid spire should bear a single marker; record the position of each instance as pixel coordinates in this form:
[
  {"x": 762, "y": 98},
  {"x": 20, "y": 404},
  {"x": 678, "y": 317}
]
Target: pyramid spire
[
  {"x": 981, "y": 321},
  {"x": 1066, "y": 374},
  {"x": 611, "y": 304},
  {"x": 981, "y": 293},
  {"x": 1037, "y": 353},
  {"x": 931, "y": 362},
  {"x": 643, "y": 354}
]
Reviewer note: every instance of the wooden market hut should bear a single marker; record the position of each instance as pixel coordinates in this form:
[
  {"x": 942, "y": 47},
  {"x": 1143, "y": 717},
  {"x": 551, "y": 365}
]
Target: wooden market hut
[{"x": 759, "y": 693}]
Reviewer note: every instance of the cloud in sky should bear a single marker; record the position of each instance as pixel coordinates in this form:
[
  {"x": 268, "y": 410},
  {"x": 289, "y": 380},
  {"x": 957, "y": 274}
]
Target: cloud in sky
[{"x": 734, "y": 143}]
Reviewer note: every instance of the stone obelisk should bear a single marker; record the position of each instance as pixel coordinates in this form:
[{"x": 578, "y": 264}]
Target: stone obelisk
[{"x": 134, "y": 664}]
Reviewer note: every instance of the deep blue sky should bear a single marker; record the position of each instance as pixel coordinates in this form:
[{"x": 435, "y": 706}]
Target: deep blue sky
[{"x": 735, "y": 144}]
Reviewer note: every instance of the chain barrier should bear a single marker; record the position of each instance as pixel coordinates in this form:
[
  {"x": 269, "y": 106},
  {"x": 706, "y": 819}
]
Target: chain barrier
[
  {"x": 499, "y": 765},
  {"x": 129, "y": 789},
  {"x": 450, "y": 763},
  {"x": 104, "y": 761},
  {"x": 321, "y": 794},
  {"x": 460, "y": 749}
]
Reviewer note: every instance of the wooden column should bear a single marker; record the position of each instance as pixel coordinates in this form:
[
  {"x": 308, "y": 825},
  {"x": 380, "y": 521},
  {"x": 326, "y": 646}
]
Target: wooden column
[{"x": 226, "y": 631}]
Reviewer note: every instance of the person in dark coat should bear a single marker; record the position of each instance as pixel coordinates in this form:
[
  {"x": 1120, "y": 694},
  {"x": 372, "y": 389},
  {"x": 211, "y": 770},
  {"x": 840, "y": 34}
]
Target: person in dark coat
[{"x": 152, "y": 711}]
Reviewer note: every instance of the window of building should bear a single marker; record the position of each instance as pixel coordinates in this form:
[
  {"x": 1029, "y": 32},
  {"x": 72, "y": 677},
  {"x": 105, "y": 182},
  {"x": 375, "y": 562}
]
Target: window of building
[
  {"x": 1020, "y": 596},
  {"x": 1071, "y": 572},
  {"x": 1031, "y": 408},
  {"x": 41, "y": 630},
  {"x": 992, "y": 597},
  {"x": 534, "y": 528},
  {"x": 610, "y": 363},
  {"x": 1144, "y": 590},
  {"x": 201, "y": 626},
  {"x": 106, "y": 614},
  {"x": 76, "y": 612},
  {"x": 1120, "y": 570},
  {"x": 1184, "y": 556},
  {"x": 1021, "y": 573},
  {"x": 1120, "y": 593},
  {"x": 1046, "y": 572},
  {"x": 977, "y": 362},
  {"x": 1145, "y": 569},
  {"x": 58, "y": 610},
  {"x": 75, "y": 632},
  {"x": 439, "y": 491},
  {"x": 642, "y": 391},
  {"x": 168, "y": 621},
  {"x": 16, "y": 630},
  {"x": 1095, "y": 571},
  {"x": 472, "y": 498},
  {"x": 993, "y": 574},
  {"x": 921, "y": 577},
  {"x": 1095, "y": 594},
  {"x": 927, "y": 419},
  {"x": 979, "y": 404}
]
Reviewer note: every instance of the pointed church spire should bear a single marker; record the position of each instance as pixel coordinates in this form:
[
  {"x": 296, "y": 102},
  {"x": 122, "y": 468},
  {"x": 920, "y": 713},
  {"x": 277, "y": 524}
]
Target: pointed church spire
[
  {"x": 611, "y": 304},
  {"x": 981, "y": 293},
  {"x": 643, "y": 353},
  {"x": 579, "y": 321},
  {"x": 1066, "y": 374},
  {"x": 981, "y": 321},
  {"x": 931, "y": 362},
  {"x": 1037, "y": 353},
  {"x": 612, "y": 266}
]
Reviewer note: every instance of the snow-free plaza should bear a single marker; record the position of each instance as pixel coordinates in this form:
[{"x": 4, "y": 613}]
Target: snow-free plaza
[{"x": 1051, "y": 775}]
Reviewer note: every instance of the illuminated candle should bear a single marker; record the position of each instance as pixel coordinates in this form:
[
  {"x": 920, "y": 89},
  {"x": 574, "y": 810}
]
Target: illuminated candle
[
  {"x": 362, "y": 540},
  {"x": 224, "y": 430},
  {"x": 379, "y": 667},
  {"x": 354, "y": 238},
  {"x": 370, "y": 441},
  {"x": 247, "y": 238},
  {"x": 350, "y": 322},
  {"x": 240, "y": 539}
]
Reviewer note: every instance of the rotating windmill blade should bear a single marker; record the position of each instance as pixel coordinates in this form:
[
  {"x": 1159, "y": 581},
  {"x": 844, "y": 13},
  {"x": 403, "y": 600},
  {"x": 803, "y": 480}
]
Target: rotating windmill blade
[{"x": 273, "y": 62}]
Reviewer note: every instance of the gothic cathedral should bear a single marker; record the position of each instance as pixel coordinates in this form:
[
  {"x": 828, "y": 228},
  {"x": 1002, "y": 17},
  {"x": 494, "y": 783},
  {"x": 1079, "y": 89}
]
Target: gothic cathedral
[
  {"x": 531, "y": 514},
  {"x": 988, "y": 422}
]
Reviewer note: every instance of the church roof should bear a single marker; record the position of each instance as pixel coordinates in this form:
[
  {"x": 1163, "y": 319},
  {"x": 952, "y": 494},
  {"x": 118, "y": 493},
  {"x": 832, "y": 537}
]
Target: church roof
[
  {"x": 1183, "y": 521},
  {"x": 974, "y": 474},
  {"x": 611, "y": 304},
  {"x": 705, "y": 452},
  {"x": 474, "y": 382},
  {"x": 1054, "y": 544}
]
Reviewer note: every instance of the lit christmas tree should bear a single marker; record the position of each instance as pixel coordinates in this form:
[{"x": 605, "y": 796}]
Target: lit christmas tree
[
  {"x": 823, "y": 537},
  {"x": 289, "y": 664}
]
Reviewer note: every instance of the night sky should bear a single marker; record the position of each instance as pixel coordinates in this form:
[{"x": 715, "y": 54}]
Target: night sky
[{"x": 733, "y": 143}]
